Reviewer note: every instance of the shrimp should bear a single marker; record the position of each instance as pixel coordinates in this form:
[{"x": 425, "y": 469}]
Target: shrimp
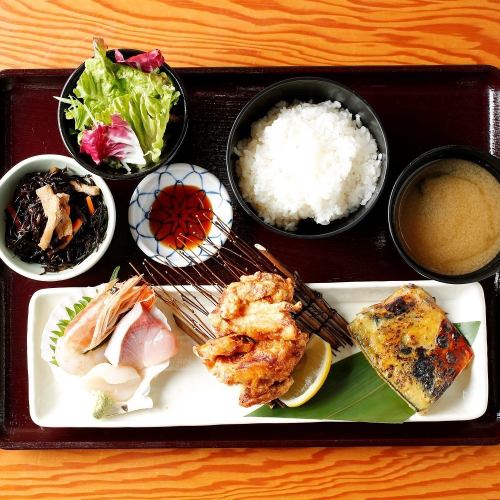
[{"x": 80, "y": 349}]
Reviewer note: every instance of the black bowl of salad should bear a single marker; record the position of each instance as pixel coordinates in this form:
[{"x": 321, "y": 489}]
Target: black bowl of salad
[{"x": 123, "y": 113}]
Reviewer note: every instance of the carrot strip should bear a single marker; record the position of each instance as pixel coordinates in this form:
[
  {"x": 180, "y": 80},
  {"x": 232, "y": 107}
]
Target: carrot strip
[
  {"x": 77, "y": 224},
  {"x": 65, "y": 242},
  {"x": 90, "y": 205}
]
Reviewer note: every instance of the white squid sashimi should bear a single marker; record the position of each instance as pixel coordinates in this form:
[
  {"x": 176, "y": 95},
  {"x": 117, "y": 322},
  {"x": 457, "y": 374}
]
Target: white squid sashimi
[
  {"x": 117, "y": 382},
  {"x": 121, "y": 389},
  {"x": 142, "y": 338}
]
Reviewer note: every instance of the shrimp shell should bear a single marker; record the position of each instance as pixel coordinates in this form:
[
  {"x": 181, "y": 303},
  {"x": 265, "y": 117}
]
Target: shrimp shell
[{"x": 79, "y": 350}]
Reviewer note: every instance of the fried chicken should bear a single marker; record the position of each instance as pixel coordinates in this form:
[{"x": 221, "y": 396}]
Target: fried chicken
[
  {"x": 258, "y": 342},
  {"x": 258, "y": 320}
]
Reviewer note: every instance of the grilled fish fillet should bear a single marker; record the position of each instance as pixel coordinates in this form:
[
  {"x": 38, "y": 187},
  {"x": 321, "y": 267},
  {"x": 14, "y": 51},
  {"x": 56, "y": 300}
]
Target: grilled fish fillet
[{"x": 412, "y": 345}]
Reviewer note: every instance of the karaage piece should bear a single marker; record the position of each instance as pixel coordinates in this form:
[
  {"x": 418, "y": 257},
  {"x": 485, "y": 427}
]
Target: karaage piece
[
  {"x": 223, "y": 346},
  {"x": 259, "y": 343},
  {"x": 260, "y": 320},
  {"x": 269, "y": 287}
]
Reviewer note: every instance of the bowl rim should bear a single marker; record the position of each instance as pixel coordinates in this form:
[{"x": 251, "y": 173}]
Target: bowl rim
[
  {"x": 233, "y": 181},
  {"x": 417, "y": 165},
  {"x": 9, "y": 258},
  {"x": 61, "y": 121}
]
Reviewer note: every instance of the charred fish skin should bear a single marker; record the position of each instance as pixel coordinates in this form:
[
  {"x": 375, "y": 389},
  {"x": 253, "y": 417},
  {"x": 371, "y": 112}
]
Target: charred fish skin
[{"x": 412, "y": 345}]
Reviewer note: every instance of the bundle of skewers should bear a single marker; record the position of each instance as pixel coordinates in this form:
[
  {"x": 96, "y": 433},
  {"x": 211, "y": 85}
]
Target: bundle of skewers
[
  {"x": 252, "y": 323},
  {"x": 237, "y": 258}
]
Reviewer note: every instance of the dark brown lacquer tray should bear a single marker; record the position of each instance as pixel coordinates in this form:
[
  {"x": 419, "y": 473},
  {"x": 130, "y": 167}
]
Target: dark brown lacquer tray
[{"x": 420, "y": 108}]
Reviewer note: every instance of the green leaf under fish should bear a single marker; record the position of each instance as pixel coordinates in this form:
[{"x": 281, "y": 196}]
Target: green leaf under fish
[
  {"x": 353, "y": 391},
  {"x": 469, "y": 330}
]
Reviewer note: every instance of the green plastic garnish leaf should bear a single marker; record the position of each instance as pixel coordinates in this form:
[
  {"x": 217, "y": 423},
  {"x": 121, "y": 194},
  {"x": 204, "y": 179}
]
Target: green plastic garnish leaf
[
  {"x": 63, "y": 323},
  {"x": 114, "y": 274}
]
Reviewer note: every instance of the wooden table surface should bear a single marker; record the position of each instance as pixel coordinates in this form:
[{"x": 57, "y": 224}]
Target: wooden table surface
[{"x": 40, "y": 33}]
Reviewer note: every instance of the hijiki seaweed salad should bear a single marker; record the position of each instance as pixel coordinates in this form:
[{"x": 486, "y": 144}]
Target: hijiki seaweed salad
[
  {"x": 121, "y": 109},
  {"x": 55, "y": 219}
]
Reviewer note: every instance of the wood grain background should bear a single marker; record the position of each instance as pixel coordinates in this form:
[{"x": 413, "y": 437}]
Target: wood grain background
[
  {"x": 41, "y": 33},
  {"x": 309, "y": 473},
  {"x": 58, "y": 33}
]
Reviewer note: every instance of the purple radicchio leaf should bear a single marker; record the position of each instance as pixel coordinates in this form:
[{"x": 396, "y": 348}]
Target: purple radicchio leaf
[
  {"x": 117, "y": 140},
  {"x": 147, "y": 62}
]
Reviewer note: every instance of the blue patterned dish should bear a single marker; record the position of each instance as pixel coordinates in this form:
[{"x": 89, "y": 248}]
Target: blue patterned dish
[{"x": 146, "y": 193}]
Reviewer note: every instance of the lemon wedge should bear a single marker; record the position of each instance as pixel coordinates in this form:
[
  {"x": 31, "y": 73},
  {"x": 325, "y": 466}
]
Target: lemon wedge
[{"x": 310, "y": 373}]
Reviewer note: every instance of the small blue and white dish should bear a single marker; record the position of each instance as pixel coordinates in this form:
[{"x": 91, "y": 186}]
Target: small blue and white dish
[{"x": 178, "y": 176}]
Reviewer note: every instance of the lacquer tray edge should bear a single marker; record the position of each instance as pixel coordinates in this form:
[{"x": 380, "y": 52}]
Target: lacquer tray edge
[{"x": 491, "y": 438}]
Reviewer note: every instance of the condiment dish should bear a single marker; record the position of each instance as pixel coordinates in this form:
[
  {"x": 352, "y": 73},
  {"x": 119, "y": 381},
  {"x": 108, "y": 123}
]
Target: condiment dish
[
  {"x": 412, "y": 174},
  {"x": 178, "y": 176},
  {"x": 8, "y": 184}
]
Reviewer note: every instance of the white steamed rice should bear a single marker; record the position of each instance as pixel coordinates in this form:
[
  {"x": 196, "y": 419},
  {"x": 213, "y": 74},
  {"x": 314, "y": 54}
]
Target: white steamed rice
[{"x": 307, "y": 160}]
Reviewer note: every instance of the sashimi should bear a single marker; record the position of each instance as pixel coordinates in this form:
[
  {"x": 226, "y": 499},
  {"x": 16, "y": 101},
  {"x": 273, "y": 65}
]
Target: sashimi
[
  {"x": 141, "y": 339},
  {"x": 117, "y": 382},
  {"x": 79, "y": 350}
]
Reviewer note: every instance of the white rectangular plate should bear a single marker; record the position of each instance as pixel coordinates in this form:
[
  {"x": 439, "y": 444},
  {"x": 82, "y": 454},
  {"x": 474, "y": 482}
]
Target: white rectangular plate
[{"x": 187, "y": 394}]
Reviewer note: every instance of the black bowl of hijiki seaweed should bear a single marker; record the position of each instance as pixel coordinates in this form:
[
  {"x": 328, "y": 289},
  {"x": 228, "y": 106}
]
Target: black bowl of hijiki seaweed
[
  {"x": 57, "y": 219},
  {"x": 123, "y": 113}
]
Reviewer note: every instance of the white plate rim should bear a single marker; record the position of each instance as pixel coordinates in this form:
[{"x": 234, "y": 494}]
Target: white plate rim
[{"x": 33, "y": 350}]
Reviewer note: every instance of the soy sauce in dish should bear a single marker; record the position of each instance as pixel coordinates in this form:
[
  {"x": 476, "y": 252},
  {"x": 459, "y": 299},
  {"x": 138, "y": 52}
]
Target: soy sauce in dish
[
  {"x": 181, "y": 216},
  {"x": 449, "y": 220}
]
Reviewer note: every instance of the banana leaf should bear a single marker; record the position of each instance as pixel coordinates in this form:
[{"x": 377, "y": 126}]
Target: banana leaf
[{"x": 353, "y": 391}]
